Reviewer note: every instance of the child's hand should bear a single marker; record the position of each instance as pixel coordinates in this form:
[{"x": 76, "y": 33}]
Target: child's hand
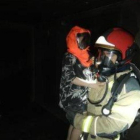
[{"x": 97, "y": 85}]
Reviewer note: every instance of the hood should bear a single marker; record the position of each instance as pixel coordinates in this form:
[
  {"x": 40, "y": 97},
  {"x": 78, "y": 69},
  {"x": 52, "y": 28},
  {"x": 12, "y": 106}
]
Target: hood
[{"x": 72, "y": 46}]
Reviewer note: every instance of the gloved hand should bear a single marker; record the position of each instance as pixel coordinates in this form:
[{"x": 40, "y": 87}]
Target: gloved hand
[{"x": 83, "y": 122}]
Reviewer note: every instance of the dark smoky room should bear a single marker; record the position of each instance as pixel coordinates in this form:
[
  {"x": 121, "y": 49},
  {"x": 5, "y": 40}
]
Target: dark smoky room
[{"x": 70, "y": 69}]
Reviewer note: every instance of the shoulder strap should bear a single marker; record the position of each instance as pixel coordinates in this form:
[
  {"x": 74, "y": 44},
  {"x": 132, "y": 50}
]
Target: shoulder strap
[
  {"x": 116, "y": 90},
  {"x": 136, "y": 71},
  {"x": 118, "y": 84}
]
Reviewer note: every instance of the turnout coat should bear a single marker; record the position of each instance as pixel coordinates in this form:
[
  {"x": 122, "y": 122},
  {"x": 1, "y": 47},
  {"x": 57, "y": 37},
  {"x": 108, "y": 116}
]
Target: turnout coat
[{"x": 123, "y": 112}]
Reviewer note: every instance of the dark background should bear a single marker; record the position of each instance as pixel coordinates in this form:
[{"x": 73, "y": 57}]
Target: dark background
[{"x": 32, "y": 44}]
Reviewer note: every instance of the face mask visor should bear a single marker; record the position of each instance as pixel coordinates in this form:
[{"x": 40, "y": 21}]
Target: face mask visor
[
  {"x": 106, "y": 58},
  {"x": 83, "y": 40}
]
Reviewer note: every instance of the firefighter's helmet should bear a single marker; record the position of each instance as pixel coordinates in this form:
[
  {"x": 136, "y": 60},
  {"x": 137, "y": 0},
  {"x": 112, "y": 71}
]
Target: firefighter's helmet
[{"x": 116, "y": 47}]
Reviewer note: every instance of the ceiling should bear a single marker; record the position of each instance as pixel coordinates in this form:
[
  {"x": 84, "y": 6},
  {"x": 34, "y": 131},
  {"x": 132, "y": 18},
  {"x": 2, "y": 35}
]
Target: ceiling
[{"x": 33, "y": 11}]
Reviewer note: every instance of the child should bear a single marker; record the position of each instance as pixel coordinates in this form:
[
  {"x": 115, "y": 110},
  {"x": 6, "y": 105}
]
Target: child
[{"x": 76, "y": 77}]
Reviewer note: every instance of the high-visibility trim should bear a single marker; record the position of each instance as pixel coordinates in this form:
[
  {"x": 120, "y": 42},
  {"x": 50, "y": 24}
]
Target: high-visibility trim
[
  {"x": 124, "y": 89},
  {"x": 87, "y": 123},
  {"x": 118, "y": 137},
  {"x": 119, "y": 120},
  {"x": 110, "y": 85},
  {"x": 95, "y": 126}
]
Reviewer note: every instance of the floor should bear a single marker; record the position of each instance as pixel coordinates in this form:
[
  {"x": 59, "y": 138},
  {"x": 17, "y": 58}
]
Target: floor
[{"x": 38, "y": 123}]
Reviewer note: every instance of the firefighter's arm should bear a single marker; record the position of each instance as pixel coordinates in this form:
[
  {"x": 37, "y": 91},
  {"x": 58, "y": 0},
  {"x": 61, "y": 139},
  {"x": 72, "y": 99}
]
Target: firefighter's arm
[{"x": 123, "y": 114}]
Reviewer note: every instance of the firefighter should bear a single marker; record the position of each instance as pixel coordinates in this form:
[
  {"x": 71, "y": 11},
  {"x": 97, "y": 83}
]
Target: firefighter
[{"x": 112, "y": 108}]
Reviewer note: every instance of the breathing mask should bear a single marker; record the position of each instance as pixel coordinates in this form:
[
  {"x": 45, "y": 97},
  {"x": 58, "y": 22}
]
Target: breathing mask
[{"x": 106, "y": 62}]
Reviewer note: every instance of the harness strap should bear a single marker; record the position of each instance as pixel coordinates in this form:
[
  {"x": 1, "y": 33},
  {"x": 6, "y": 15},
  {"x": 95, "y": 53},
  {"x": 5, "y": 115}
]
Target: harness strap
[{"x": 116, "y": 90}]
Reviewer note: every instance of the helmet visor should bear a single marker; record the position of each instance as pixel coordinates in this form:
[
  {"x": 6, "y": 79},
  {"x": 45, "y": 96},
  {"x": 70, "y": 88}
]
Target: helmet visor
[{"x": 83, "y": 40}]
